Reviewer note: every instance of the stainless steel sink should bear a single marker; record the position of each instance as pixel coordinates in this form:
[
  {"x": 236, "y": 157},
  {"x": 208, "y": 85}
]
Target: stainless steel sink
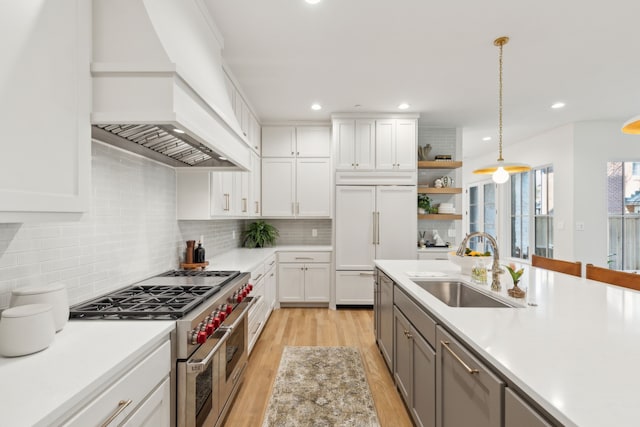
[{"x": 458, "y": 294}]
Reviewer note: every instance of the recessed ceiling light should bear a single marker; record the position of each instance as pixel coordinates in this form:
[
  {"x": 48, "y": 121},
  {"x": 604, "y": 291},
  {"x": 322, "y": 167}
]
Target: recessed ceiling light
[
  {"x": 558, "y": 105},
  {"x": 486, "y": 138},
  {"x": 316, "y": 107},
  {"x": 313, "y": 1},
  {"x": 403, "y": 106},
  {"x": 176, "y": 130}
]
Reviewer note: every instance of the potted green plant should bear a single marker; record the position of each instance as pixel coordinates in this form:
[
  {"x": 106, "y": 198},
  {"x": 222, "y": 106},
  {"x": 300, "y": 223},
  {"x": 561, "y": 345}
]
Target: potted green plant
[
  {"x": 260, "y": 234},
  {"x": 424, "y": 203}
]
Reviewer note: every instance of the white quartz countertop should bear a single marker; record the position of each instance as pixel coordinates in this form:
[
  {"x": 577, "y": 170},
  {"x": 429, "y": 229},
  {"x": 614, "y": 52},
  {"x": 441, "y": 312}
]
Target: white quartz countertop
[
  {"x": 574, "y": 352},
  {"x": 245, "y": 259},
  {"x": 38, "y": 389}
]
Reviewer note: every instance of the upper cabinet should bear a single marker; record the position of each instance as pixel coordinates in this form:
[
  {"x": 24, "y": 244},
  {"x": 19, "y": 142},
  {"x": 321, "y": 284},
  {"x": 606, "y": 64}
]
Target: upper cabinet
[
  {"x": 45, "y": 167},
  {"x": 302, "y": 141},
  {"x": 246, "y": 119},
  {"x": 380, "y": 143}
]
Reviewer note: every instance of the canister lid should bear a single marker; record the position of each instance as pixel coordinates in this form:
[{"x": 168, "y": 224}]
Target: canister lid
[
  {"x": 26, "y": 310},
  {"x": 37, "y": 290}
]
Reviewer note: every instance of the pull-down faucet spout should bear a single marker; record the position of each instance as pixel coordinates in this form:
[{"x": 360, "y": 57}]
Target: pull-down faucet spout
[{"x": 495, "y": 267}]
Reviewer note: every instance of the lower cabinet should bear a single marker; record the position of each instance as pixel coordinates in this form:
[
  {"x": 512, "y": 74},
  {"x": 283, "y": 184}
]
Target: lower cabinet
[
  {"x": 384, "y": 318},
  {"x": 467, "y": 392},
  {"x": 264, "y": 292},
  {"x": 304, "y": 277},
  {"x": 139, "y": 398},
  {"x": 415, "y": 371},
  {"x": 518, "y": 413}
]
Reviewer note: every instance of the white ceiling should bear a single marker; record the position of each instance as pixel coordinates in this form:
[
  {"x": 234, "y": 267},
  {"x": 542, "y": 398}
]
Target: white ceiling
[{"x": 440, "y": 58}]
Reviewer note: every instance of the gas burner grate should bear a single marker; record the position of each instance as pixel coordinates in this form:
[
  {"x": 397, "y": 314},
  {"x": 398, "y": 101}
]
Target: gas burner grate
[
  {"x": 199, "y": 273},
  {"x": 156, "y": 302}
]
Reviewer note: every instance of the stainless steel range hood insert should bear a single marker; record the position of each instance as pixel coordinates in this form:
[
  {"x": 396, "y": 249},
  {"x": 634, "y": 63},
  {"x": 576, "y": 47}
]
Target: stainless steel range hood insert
[{"x": 165, "y": 144}]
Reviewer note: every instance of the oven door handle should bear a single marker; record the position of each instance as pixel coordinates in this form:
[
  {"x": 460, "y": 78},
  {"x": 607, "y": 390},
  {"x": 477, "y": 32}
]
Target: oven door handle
[
  {"x": 196, "y": 365},
  {"x": 241, "y": 316}
]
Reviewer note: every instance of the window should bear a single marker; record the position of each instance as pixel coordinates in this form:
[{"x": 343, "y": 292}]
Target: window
[
  {"x": 482, "y": 213},
  {"x": 543, "y": 215},
  {"x": 623, "y": 206},
  {"x": 532, "y": 206}
]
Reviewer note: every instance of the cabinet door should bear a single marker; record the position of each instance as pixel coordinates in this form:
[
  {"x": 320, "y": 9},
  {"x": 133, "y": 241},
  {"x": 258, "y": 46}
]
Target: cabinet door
[
  {"x": 386, "y": 144},
  {"x": 241, "y": 193},
  {"x": 313, "y": 187},
  {"x": 355, "y": 208},
  {"x": 291, "y": 282},
  {"x": 278, "y": 141},
  {"x": 423, "y": 399},
  {"x": 403, "y": 349},
  {"x": 278, "y": 187},
  {"x": 270, "y": 291},
  {"x": 344, "y": 134},
  {"x": 155, "y": 411},
  {"x": 467, "y": 393},
  {"x": 256, "y": 134},
  {"x": 354, "y": 287},
  {"x": 256, "y": 186},
  {"x": 365, "y": 144},
  {"x": 313, "y": 141},
  {"x": 222, "y": 194},
  {"x": 316, "y": 282},
  {"x": 406, "y": 144},
  {"x": 386, "y": 319},
  {"x": 45, "y": 166},
  {"x": 517, "y": 413},
  {"x": 397, "y": 222}
]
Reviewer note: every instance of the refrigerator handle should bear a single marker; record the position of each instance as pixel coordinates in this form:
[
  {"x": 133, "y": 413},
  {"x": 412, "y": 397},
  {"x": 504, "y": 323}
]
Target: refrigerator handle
[
  {"x": 373, "y": 230},
  {"x": 377, "y": 228}
]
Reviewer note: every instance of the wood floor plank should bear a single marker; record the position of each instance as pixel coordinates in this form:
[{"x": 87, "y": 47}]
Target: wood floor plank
[{"x": 322, "y": 327}]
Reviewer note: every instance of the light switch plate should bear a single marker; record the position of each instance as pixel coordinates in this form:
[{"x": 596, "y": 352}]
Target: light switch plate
[
  {"x": 580, "y": 226},
  {"x": 314, "y": 232}
]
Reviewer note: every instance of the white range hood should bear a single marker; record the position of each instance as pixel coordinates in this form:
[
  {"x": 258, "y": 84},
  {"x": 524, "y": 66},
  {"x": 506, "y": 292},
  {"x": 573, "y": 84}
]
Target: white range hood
[{"x": 157, "y": 67}]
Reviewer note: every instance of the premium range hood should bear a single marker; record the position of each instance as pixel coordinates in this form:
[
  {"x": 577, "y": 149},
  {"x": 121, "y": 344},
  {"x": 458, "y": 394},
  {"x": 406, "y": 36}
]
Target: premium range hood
[{"x": 159, "y": 86}]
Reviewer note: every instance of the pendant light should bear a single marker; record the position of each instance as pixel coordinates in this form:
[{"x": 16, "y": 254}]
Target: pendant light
[
  {"x": 632, "y": 126},
  {"x": 501, "y": 170}
]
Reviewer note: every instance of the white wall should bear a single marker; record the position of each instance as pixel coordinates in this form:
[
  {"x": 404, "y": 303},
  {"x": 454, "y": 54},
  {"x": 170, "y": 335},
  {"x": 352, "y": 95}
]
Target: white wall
[{"x": 578, "y": 153}]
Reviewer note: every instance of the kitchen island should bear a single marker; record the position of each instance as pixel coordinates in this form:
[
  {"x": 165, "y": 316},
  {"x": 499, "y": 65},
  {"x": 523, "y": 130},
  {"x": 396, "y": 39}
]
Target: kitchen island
[{"x": 569, "y": 347}]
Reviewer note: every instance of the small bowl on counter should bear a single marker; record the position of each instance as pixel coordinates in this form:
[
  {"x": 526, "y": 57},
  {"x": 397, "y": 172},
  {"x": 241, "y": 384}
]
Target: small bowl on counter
[
  {"x": 467, "y": 262},
  {"x": 26, "y": 329},
  {"x": 55, "y": 294}
]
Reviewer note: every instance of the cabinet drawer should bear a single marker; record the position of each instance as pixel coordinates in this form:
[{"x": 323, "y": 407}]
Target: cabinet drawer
[
  {"x": 421, "y": 320},
  {"x": 135, "y": 385},
  {"x": 269, "y": 263},
  {"x": 257, "y": 274},
  {"x": 304, "y": 257},
  {"x": 354, "y": 287},
  {"x": 518, "y": 413}
]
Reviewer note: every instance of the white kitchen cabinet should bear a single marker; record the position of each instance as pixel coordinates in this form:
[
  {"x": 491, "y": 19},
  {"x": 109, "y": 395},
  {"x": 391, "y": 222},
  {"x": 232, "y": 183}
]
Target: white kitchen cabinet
[
  {"x": 304, "y": 277},
  {"x": 255, "y": 191},
  {"x": 296, "y": 187},
  {"x": 248, "y": 122},
  {"x": 396, "y": 144},
  {"x": 224, "y": 194},
  {"x": 139, "y": 397},
  {"x": 271, "y": 283},
  {"x": 355, "y": 143},
  {"x": 45, "y": 167},
  {"x": 354, "y": 287},
  {"x": 302, "y": 141}
]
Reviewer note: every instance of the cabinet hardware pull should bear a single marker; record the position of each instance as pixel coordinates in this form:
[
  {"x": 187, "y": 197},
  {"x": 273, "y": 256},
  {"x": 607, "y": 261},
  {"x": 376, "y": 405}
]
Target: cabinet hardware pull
[
  {"x": 121, "y": 406},
  {"x": 366, "y": 274},
  {"x": 373, "y": 233},
  {"x": 353, "y": 164},
  {"x": 304, "y": 257},
  {"x": 292, "y": 153},
  {"x": 226, "y": 201},
  {"x": 258, "y": 278},
  {"x": 357, "y": 164},
  {"x": 377, "y": 228},
  {"x": 244, "y": 204},
  {"x": 445, "y": 344},
  {"x": 257, "y": 207},
  {"x": 272, "y": 262}
]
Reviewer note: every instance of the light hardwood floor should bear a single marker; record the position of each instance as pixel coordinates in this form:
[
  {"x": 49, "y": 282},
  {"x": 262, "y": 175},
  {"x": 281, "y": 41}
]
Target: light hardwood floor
[{"x": 322, "y": 327}]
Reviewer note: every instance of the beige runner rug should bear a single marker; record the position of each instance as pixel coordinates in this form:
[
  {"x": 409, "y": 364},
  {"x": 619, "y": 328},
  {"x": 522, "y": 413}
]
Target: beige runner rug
[{"x": 321, "y": 386}]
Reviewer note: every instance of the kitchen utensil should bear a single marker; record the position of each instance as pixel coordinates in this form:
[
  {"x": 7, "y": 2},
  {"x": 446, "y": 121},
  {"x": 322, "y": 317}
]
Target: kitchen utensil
[
  {"x": 26, "y": 329},
  {"x": 55, "y": 294},
  {"x": 188, "y": 256}
]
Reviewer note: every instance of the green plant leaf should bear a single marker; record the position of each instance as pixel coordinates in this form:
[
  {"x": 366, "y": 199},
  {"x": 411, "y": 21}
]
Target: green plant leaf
[{"x": 260, "y": 234}]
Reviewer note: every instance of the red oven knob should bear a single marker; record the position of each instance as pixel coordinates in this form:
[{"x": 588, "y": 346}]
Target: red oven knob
[
  {"x": 245, "y": 292},
  {"x": 229, "y": 309},
  {"x": 239, "y": 298},
  {"x": 222, "y": 315},
  {"x": 250, "y": 286},
  {"x": 210, "y": 328},
  {"x": 202, "y": 337},
  {"x": 216, "y": 322}
]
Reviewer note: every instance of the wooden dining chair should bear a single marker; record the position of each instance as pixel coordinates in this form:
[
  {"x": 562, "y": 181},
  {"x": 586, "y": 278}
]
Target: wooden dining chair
[
  {"x": 567, "y": 267},
  {"x": 614, "y": 277}
]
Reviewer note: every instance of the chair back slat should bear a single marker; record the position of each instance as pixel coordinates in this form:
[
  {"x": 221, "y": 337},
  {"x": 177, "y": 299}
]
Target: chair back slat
[
  {"x": 614, "y": 277},
  {"x": 567, "y": 267}
]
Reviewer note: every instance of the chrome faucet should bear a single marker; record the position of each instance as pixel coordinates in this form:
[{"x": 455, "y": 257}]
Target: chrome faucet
[{"x": 495, "y": 267}]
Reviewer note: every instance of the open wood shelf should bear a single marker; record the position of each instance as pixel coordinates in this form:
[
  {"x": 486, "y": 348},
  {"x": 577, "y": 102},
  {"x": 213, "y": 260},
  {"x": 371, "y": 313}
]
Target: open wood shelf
[
  {"x": 439, "y": 164},
  {"x": 443, "y": 190},
  {"x": 440, "y": 217}
]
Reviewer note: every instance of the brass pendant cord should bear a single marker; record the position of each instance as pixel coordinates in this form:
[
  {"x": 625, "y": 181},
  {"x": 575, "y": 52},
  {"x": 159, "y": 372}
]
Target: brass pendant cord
[{"x": 500, "y": 42}]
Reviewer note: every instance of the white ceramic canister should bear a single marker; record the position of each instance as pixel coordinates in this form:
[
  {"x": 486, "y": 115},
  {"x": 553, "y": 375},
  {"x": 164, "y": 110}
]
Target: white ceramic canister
[
  {"x": 55, "y": 294},
  {"x": 26, "y": 329}
]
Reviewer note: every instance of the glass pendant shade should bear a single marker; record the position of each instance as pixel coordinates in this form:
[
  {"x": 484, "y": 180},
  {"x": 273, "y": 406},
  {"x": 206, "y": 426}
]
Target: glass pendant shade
[{"x": 632, "y": 126}]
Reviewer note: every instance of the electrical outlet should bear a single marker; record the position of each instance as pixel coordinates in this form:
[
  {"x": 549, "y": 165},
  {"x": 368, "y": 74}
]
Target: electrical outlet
[
  {"x": 233, "y": 234},
  {"x": 580, "y": 226},
  {"x": 314, "y": 232}
]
